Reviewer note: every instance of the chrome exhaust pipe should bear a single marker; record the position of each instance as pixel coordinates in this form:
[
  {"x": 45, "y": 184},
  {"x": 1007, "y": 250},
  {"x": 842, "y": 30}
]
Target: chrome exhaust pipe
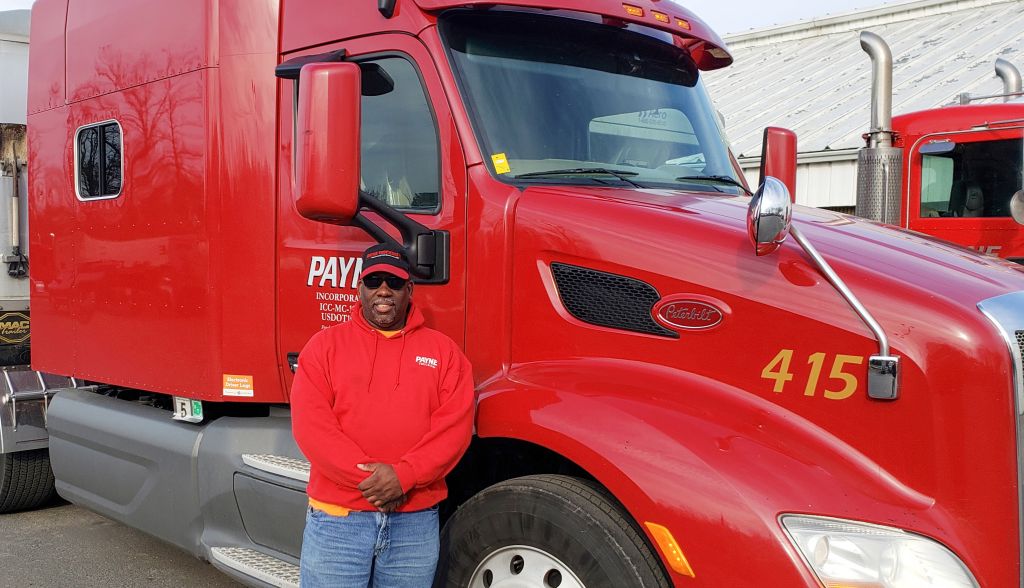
[
  {"x": 879, "y": 164},
  {"x": 1010, "y": 76},
  {"x": 880, "y": 134}
]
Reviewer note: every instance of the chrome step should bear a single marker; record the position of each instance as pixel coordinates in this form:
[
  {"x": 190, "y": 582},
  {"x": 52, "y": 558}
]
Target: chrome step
[
  {"x": 289, "y": 467},
  {"x": 263, "y": 567}
]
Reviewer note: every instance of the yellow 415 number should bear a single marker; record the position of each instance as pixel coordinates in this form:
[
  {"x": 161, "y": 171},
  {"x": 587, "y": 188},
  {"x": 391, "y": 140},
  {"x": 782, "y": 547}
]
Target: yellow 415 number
[{"x": 778, "y": 372}]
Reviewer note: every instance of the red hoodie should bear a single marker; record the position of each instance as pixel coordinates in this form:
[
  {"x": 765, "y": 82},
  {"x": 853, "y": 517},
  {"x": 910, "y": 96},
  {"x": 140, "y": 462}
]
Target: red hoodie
[{"x": 360, "y": 397}]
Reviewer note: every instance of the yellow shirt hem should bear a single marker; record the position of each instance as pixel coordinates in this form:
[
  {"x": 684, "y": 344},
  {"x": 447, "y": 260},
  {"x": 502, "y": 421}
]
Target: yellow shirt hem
[{"x": 332, "y": 509}]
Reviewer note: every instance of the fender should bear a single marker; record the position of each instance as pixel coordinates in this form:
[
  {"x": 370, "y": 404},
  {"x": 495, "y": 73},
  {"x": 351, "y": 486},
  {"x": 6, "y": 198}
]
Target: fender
[{"x": 714, "y": 464}]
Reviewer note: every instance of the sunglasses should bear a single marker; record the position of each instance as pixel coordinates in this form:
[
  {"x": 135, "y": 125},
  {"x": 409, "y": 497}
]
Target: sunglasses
[{"x": 373, "y": 281}]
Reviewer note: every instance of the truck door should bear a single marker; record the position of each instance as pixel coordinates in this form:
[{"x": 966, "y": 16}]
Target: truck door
[
  {"x": 411, "y": 159},
  {"x": 960, "y": 187}
]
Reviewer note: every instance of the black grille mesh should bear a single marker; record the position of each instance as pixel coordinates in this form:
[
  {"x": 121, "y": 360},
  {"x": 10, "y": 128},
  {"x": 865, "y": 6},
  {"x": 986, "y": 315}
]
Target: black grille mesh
[
  {"x": 1020, "y": 342},
  {"x": 608, "y": 300}
]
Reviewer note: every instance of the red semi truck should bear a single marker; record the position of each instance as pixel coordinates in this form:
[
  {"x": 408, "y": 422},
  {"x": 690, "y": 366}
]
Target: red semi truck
[
  {"x": 659, "y": 402},
  {"x": 953, "y": 172}
]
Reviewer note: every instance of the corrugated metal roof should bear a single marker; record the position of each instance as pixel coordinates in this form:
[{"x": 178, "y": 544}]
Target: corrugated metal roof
[{"x": 814, "y": 78}]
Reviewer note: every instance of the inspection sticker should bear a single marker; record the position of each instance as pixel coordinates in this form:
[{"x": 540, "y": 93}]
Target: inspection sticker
[
  {"x": 237, "y": 385},
  {"x": 500, "y": 163}
]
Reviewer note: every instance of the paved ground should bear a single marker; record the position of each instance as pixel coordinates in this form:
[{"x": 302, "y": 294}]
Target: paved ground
[{"x": 64, "y": 546}]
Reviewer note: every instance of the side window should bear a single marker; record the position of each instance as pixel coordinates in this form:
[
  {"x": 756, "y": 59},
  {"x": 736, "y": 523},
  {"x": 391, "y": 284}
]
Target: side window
[
  {"x": 936, "y": 185},
  {"x": 98, "y": 161},
  {"x": 400, "y": 162}
]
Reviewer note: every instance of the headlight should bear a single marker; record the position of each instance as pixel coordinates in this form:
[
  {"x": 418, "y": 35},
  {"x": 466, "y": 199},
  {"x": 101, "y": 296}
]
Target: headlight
[{"x": 845, "y": 553}]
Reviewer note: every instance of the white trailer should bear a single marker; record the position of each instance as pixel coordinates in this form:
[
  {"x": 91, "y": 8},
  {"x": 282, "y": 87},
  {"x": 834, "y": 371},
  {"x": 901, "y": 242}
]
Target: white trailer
[{"x": 25, "y": 477}]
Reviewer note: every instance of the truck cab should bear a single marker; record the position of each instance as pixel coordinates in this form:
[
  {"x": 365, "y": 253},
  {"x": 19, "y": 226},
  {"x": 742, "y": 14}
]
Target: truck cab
[
  {"x": 964, "y": 166},
  {"x": 953, "y": 172},
  {"x": 678, "y": 383}
]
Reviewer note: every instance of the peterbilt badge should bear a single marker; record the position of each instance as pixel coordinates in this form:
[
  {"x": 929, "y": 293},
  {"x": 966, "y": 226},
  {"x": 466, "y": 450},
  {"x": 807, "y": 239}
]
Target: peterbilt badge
[{"x": 686, "y": 313}]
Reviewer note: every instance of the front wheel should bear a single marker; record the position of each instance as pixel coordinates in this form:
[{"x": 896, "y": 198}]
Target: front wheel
[{"x": 544, "y": 532}]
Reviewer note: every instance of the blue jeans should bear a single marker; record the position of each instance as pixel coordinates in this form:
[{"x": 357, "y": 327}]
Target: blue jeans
[{"x": 369, "y": 550}]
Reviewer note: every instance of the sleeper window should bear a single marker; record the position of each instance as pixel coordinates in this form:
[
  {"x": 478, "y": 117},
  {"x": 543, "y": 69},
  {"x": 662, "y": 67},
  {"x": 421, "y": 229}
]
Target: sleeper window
[{"x": 98, "y": 161}]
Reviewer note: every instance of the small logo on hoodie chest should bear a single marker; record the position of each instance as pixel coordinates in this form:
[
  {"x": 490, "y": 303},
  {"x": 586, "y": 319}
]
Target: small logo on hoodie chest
[{"x": 429, "y": 362}]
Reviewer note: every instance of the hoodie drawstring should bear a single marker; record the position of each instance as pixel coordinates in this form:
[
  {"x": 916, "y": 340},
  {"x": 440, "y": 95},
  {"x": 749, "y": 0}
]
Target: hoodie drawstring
[
  {"x": 373, "y": 362},
  {"x": 398, "y": 378}
]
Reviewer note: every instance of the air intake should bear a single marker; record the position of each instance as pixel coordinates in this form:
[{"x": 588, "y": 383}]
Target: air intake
[{"x": 608, "y": 300}]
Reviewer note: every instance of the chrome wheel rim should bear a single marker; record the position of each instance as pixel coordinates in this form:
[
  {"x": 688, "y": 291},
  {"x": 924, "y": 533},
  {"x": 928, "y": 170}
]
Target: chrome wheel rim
[{"x": 522, "y": 566}]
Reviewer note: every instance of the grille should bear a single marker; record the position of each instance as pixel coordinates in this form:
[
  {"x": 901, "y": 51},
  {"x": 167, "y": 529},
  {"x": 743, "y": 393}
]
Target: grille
[
  {"x": 608, "y": 300},
  {"x": 1007, "y": 315}
]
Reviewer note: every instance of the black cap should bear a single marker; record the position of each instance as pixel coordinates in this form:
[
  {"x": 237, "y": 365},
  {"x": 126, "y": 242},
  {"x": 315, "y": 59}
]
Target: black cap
[{"x": 386, "y": 258}]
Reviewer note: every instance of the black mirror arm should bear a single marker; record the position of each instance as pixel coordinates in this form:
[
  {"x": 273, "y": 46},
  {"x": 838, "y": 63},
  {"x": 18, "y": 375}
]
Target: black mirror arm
[
  {"x": 289, "y": 70},
  {"x": 425, "y": 249}
]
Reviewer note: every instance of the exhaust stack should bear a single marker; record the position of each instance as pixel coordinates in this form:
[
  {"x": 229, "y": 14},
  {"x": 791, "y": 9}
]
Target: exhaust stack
[
  {"x": 1011, "y": 78},
  {"x": 877, "y": 49},
  {"x": 879, "y": 164}
]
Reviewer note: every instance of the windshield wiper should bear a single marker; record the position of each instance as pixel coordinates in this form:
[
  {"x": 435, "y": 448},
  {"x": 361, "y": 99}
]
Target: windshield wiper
[
  {"x": 719, "y": 179},
  {"x": 583, "y": 171}
]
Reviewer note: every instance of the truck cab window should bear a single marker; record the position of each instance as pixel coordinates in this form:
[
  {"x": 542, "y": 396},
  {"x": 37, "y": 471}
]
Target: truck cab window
[
  {"x": 98, "y": 161},
  {"x": 971, "y": 179},
  {"x": 400, "y": 161}
]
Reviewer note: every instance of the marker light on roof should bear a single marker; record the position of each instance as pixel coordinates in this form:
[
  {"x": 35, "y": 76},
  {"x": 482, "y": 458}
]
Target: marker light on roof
[
  {"x": 633, "y": 10},
  {"x": 660, "y": 16},
  {"x": 683, "y": 23}
]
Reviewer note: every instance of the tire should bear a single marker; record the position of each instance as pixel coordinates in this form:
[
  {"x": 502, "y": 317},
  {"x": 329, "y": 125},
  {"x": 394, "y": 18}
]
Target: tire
[
  {"x": 26, "y": 480},
  {"x": 545, "y": 532}
]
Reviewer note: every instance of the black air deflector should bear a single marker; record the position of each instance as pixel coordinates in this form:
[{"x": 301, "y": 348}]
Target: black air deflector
[{"x": 608, "y": 300}]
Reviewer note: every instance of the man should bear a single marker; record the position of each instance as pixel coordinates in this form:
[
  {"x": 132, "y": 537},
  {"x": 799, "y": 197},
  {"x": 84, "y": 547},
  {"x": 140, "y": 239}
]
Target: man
[{"x": 383, "y": 408}]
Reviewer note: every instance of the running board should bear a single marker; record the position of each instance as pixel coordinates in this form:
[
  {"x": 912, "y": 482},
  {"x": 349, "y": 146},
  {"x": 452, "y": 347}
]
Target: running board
[
  {"x": 256, "y": 565},
  {"x": 289, "y": 467}
]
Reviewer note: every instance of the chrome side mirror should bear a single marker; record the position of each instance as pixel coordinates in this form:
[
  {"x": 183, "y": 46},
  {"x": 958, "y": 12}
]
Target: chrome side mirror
[
  {"x": 1017, "y": 206},
  {"x": 769, "y": 215}
]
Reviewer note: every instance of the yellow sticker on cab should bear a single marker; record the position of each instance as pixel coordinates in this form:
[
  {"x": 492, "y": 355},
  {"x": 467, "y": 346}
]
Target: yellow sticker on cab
[{"x": 500, "y": 163}]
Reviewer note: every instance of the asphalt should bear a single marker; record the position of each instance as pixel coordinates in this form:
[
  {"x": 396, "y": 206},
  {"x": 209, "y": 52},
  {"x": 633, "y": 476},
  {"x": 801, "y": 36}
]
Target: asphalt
[{"x": 67, "y": 546}]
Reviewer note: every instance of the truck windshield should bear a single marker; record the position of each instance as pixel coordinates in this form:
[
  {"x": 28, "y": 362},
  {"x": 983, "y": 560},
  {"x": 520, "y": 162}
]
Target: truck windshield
[{"x": 559, "y": 100}]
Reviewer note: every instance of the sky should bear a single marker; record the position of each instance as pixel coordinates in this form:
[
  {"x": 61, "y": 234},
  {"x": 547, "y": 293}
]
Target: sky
[
  {"x": 736, "y": 16},
  {"x": 15, "y": 4},
  {"x": 725, "y": 16}
]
